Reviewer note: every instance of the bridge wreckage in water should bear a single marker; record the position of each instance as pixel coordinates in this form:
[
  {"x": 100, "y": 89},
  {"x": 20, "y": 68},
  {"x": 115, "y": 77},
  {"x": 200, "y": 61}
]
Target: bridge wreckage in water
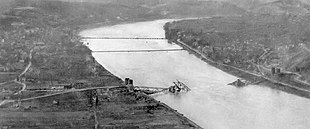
[
  {"x": 178, "y": 87},
  {"x": 240, "y": 83}
]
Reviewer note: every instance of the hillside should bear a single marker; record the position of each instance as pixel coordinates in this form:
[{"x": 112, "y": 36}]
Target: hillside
[
  {"x": 146, "y": 8},
  {"x": 295, "y": 7},
  {"x": 55, "y": 24},
  {"x": 250, "y": 41},
  {"x": 27, "y": 15},
  {"x": 47, "y": 30},
  {"x": 43, "y": 58},
  {"x": 201, "y": 8}
]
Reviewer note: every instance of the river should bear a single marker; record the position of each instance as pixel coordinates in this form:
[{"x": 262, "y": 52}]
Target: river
[{"x": 211, "y": 103}]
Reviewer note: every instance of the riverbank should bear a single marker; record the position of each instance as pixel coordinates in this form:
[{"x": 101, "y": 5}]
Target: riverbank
[
  {"x": 254, "y": 78},
  {"x": 61, "y": 63},
  {"x": 211, "y": 103},
  {"x": 187, "y": 123},
  {"x": 117, "y": 108},
  {"x": 247, "y": 45}
]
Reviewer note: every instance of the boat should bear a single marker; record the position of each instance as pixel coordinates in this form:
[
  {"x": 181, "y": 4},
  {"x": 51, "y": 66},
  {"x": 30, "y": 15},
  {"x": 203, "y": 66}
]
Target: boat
[{"x": 178, "y": 87}]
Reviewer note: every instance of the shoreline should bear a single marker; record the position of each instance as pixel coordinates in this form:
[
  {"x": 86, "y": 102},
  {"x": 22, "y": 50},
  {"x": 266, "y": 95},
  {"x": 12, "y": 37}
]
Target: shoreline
[
  {"x": 117, "y": 106},
  {"x": 245, "y": 74},
  {"x": 180, "y": 115},
  {"x": 102, "y": 24}
]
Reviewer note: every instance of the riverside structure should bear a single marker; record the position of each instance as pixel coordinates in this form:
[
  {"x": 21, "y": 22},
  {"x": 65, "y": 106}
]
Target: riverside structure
[{"x": 211, "y": 103}]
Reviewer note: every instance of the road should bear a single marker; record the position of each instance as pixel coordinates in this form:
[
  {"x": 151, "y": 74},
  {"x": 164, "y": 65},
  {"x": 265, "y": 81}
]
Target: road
[
  {"x": 21, "y": 74},
  {"x": 23, "y": 84},
  {"x": 206, "y": 58},
  {"x": 298, "y": 76},
  {"x": 306, "y": 48},
  {"x": 5, "y": 102},
  {"x": 25, "y": 70},
  {"x": 96, "y": 119},
  {"x": 269, "y": 79},
  {"x": 29, "y": 64},
  {"x": 68, "y": 91},
  {"x": 59, "y": 93},
  {"x": 296, "y": 79},
  {"x": 5, "y": 82}
]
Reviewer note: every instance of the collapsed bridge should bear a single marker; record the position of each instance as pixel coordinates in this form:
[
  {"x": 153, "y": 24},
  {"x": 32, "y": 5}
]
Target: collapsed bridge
[{"x": 176, "y": 88}]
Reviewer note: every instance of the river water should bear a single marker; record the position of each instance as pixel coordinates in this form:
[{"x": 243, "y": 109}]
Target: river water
[{"x": 211, "y": 103}]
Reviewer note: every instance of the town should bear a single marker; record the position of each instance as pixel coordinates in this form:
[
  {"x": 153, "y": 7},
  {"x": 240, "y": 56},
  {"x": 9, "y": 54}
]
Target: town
[
  {"x": 159, "y": 64},
  {"x": 261, "y": 45}
]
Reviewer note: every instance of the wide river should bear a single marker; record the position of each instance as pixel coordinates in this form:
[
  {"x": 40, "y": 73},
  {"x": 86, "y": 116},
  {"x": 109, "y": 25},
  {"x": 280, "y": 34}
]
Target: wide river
[{"x": 212, "y": 103}]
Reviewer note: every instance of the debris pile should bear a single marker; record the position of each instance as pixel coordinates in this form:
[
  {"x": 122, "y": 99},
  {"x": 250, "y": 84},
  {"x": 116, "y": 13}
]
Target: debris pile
[
  {"x": 178, "y": 87},
  {"x": 239, "y": 83}
]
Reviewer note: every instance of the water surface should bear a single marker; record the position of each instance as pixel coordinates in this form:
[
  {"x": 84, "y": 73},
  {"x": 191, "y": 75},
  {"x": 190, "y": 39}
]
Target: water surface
[{"x": 211, "y": 103}]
